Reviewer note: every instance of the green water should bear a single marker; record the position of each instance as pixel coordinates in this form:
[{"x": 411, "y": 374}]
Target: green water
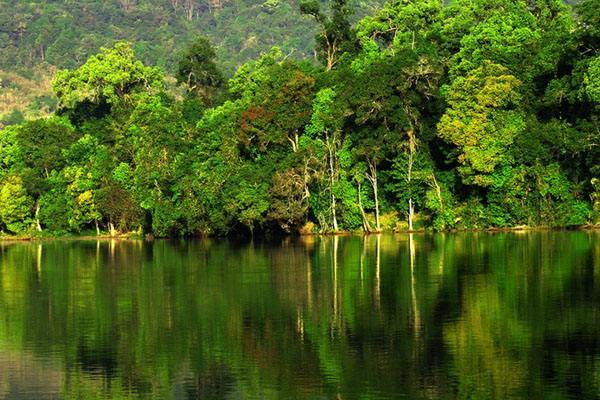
[{"x": 472, "y": 316}]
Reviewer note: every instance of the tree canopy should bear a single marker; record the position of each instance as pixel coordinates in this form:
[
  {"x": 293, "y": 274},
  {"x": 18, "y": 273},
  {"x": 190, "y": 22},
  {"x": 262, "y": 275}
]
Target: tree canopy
[{"x": 422, "y": 115}]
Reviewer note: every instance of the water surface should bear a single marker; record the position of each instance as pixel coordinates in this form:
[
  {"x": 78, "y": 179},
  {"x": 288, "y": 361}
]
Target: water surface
[{"x": 469, "y": 316}]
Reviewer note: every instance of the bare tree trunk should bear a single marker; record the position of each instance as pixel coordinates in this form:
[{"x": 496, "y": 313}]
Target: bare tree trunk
[
  {"x": 438, "y": 191},
  {"x": 190, "y": 7},
  {"x": 111, "y": 229},
  {"x": 331, "y": 52},
  {"x": 332, "y": 182},
  {"x": 333, "y": 213},
  {"x": 366, "y": 225},
  {"x": 37, "y": 217},
  {"x": 294, "y": 141},
  {"x": 412, "y": 147},
  {"x": 97, "y": 227},
  {"x": 372, "y": 177},
  {"x": 306, "y": 179},
  {"x": 330, "y": 61}
]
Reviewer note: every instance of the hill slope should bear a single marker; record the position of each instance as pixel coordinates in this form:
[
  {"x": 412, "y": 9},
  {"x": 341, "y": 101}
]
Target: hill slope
[{"x": 38, "y": 37}]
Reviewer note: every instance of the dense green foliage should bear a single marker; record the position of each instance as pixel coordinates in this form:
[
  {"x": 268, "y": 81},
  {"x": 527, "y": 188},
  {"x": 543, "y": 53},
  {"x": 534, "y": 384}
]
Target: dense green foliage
[
  {"x": 37, "y": 37},
  {"x": 467, "y": 115}
]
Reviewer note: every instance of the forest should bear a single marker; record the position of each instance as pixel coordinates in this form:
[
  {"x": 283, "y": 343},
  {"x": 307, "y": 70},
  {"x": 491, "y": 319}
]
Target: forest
[
  {"x": 39, "y": 37},
  {"x": 422, "y": 115}
]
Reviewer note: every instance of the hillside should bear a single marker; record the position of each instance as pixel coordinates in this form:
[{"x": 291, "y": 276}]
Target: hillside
[{"x": 37, "y": 37}]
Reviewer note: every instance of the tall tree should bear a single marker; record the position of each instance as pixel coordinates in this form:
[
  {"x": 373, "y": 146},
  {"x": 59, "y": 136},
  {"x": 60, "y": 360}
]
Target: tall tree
[
  {"x": 198, "y": 70},
  {"x": 336, "y": 36},
  {"x": 113, "y": 77},
  {"x": 483, "y": 120}
]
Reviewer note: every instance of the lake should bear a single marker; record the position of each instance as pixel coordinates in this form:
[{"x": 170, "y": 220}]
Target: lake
[{"x": 422, "y": 316}]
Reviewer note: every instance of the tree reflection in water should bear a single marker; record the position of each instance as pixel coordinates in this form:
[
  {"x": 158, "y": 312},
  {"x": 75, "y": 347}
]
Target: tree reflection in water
[{"x": 467, "y": 315}]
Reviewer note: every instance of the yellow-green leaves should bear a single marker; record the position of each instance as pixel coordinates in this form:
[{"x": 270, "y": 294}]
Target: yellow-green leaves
[
  {"x": 249, "y": 76},
  {"x": 15, "y": 205},
  {"x": 112, "y": 76},
  {"x": 399, "y": 26},
  {"x": 592, "y": 80},
  {"x": 399, "y": 23},
  {"x": 482, "y": 120},
  {"x": 325, "y": 116}
]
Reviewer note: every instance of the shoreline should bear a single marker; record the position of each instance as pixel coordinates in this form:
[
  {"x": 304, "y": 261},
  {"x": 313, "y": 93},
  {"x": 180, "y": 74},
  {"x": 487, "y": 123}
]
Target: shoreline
[{"x": 135, "y": 237}]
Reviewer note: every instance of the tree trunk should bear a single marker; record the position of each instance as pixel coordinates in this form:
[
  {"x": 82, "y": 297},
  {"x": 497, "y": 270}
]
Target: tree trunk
[
  {"x": 37, "y": 217},
  {"x": 412, "y": 148},
  {"x": 333, "y": 214},
  {"x": 332, "y": 182},
  {"x": 306, "y": 179},
  {"x": 438, "y": 191},
  {"x": 294, "y": 141},
  {"x": 111, "y": 229},
  {"x": 331, "y": 51},
  {"x": 372, "y": 176},
  {"x": 97, "y": 227},
  {"x": 189, "y": 9},
  {"x": 366, "y": 225}
]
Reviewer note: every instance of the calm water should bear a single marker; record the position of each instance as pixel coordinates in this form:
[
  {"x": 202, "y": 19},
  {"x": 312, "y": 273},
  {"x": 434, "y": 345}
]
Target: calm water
[{"x": 470, "y": 316}]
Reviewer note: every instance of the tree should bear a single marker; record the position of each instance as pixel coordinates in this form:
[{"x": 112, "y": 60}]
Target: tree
[
  {"x": 482, "y": 120},
  {"x": 40, "y": 145},
  {"x": 326, "y": 127},
  {"x": 472, "y": 113},
  {"x": 82, "y": 196},
  {"x": 199, "y": 72},
  {"x": 400, "y": 24},
  {"x": 112, "y": 77},
  {"x": 288, "y": 199},
  {"x": 592, "y": 80},
  {"x": 160, "y": 139},
  {"x": 88, "y": 166},
  {"x": 280, "y": 108},
  {"x": 15, "y": 205},
  {"x": 336, "y": 36},
  {"x": 215, "y": 158}
]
